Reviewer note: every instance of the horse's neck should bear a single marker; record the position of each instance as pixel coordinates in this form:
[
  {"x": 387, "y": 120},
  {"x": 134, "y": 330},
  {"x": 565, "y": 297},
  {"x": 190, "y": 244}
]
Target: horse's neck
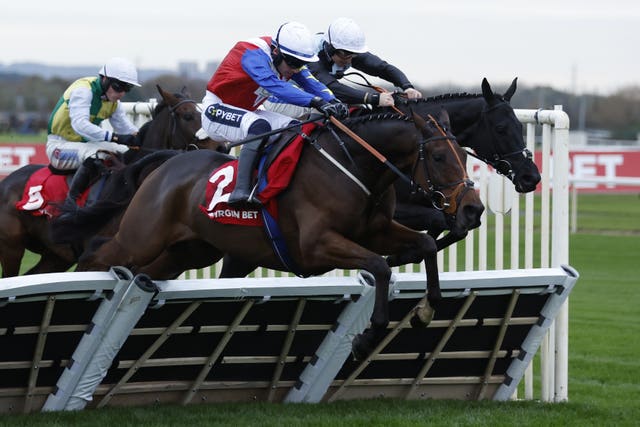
[
  {"x": 393, "y": 138},
  {"x": 158, "y": 134}
]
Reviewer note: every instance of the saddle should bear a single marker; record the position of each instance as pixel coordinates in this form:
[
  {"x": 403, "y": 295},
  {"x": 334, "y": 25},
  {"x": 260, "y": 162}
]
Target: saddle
[{"x": 47, "y": 188}]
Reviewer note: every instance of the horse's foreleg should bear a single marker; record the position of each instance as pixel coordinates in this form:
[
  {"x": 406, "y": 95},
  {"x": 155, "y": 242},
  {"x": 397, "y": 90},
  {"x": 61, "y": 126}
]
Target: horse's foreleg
[
  {"x": 10, "y": 259},
  {"x": 407, "y": 245},
  {"x": 235, "y": 267},
  {"x": 111, "y": 253},
  {"x": 335, "y": 250}
]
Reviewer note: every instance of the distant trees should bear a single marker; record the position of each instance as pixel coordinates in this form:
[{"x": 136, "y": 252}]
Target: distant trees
[{"x": 618, "y": 113}]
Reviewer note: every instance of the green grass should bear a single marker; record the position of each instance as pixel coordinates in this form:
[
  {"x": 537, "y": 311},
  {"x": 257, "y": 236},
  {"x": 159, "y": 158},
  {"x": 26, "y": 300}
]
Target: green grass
[
  {"x": 604, "y": 372},
  {"x": 18, "y": 138},
  {"x": 614, "y": 212}
]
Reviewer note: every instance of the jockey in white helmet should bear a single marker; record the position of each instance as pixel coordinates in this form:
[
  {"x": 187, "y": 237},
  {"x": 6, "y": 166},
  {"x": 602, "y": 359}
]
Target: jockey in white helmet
[
  {"x": 252, "y": 71},
  {"x": 344, "y": 46},
  {"x": 341, "y": 47},
  {"x": 75, "y": 138}
]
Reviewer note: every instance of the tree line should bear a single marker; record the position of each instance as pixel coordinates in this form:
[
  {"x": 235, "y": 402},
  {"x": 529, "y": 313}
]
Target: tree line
[{"x": 33, "y": 98}]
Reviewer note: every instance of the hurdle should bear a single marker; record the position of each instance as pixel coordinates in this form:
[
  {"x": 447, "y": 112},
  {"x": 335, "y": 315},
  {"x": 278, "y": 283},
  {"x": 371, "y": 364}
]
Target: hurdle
[{"x": 75, "y": 340}]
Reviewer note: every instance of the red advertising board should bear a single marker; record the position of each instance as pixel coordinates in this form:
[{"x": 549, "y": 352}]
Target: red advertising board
[
  {"x": 14, "y": 156},
  {"x": 601, "y": 162},
  {"x": 588, "y": 162}
]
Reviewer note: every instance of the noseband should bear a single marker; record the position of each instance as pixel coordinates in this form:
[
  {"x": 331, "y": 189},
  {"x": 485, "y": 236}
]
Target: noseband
[
  {"x": 504, "y": 167},
  {"x": 436, "y": 192}
]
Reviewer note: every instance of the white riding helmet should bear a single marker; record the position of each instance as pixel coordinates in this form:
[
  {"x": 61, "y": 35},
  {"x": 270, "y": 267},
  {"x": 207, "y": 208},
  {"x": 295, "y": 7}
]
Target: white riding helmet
[
  {"x": 295, "y": 39},
  {"x": 120, "y": 69},
  {"x": 345, "y": 34}
]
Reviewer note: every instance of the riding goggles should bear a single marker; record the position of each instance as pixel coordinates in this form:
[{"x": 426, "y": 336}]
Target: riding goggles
[
  {"x": 119, "y": 86},
  {"x": 293, "y": 62},
  {"x": 345, "y": 55}
]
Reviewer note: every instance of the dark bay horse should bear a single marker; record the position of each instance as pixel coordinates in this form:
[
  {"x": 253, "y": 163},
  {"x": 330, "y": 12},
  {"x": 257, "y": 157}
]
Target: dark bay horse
[
  {"x": 330, "y": 217},
  {"x": 175, "y": 123},
  {"x": 485, "y": 123}
]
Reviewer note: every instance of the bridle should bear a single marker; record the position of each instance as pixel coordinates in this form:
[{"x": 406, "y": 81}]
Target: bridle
[
  {"x": 500, "y": 161},
  {"x": 190, "y": 142},
  {"x": 501, "y": 164},
  {"x": 436, "y": 192}
]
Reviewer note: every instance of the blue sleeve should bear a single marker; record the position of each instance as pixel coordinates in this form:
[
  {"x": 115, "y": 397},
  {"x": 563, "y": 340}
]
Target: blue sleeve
[
  {"x": 257, "y": 65},
  {"x": 309, "y": 83}
]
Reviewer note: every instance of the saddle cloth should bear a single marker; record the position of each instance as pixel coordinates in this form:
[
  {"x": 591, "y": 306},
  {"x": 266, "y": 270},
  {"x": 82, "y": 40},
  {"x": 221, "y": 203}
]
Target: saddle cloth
[
  {"x": 277, "y": 177},
  {"x": 44, "y": 191}
]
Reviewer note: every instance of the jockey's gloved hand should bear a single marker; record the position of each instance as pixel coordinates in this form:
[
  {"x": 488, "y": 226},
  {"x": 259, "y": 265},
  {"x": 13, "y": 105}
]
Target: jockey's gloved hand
[
  {"x": 124, "y": 139},
  {"x": 341, "y": 108},
  {"x": 329, "y": 108}
]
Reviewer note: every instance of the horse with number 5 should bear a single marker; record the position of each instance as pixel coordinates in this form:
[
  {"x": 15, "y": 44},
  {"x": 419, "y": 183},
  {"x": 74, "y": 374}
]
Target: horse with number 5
[
  {"x": 175, "y": 124},
  {"x": 335, "y": 213}
]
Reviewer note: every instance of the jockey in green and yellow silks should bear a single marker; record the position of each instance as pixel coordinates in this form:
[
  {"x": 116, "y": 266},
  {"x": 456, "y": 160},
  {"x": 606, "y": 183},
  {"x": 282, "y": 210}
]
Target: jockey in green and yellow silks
[{"x": 76, "y": 140}]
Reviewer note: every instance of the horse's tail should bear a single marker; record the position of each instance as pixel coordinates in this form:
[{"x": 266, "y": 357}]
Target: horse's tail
[{"x": 75, "y": 224}]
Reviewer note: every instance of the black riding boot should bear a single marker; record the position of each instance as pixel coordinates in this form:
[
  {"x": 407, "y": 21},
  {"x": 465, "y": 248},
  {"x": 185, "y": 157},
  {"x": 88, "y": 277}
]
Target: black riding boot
[
  {"x": 241, "y": 193},
  {"x": 87, "y": 171}
]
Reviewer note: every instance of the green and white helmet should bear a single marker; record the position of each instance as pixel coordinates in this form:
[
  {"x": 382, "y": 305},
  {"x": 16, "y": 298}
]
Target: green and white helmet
[
  {"x": 345, "y": 34},
  {"x": 120, "y": 69}
]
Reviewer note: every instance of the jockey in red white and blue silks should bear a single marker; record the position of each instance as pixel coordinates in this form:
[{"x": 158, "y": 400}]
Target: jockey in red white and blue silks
[
  {"x": 251, "y": 72},
  {"x": 243, "y": 81}
]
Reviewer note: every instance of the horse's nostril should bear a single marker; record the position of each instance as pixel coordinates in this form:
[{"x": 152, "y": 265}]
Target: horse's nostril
[{"x": 473, "y": 212}]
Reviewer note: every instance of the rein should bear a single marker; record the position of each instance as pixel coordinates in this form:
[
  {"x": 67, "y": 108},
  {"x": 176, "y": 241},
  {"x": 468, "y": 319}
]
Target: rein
[
  {"x": 374, "y": 87},
  {"x": 447, "y": 204},
  {"x": 369, "y": 148},
  {"x": 500, "y": 163}
]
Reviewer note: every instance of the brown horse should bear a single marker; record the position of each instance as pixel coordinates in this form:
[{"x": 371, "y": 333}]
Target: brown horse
[
  {"x": 329, "y": 216},
  {"x": 175, "y": 122}
]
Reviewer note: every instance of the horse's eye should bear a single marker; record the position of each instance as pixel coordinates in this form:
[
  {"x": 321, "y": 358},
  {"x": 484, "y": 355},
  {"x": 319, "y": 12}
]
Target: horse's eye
[
  {"x": 501, "y": 129},
  {"x": 188, "y": 117},
  {"x": 438, "y": 157}
]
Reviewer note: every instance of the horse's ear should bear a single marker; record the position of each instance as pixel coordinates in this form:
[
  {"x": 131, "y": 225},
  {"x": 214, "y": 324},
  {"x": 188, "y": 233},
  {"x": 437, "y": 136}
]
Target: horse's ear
[
  {"x": 168, "y": 97},
  {"x": 487, "y": 93},
  {"x": 512, "y": 89},
  {"x": 419, "y": 121}
]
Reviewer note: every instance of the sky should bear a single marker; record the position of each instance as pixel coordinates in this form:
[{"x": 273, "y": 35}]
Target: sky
[{"x": 581, "y": 46}]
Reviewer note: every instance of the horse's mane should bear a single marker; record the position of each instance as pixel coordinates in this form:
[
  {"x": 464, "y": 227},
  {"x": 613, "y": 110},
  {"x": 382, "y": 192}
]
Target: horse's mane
[
  {"x": 356, "y": 120},
  {"x": 447, "y": 97}
]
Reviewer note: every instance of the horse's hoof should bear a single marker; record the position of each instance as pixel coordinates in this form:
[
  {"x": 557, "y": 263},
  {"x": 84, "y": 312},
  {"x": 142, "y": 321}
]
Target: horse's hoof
[
  {"x": 422, "y": 316},
  {"x": 360, "y": 348}
]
